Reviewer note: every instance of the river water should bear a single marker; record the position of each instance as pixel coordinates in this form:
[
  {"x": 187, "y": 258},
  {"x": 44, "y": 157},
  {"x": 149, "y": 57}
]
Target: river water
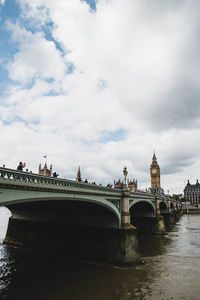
[{"x": 170, "y": 270}]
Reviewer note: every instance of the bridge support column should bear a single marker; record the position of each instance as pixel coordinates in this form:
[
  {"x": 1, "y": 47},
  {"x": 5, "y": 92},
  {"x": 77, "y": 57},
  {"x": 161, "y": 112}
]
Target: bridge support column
[
  {"x": 169, "y": 205},
  {"x": 157, "y": 207},
  {"x": 160, "y": 224},
  {"x": 127, "y": 237},
  {"x": 170, "y": 218},
  {"x": 177, "y": 214},
  {"x": 125, "y": 215},
  {"x": 127, "y": 250}
]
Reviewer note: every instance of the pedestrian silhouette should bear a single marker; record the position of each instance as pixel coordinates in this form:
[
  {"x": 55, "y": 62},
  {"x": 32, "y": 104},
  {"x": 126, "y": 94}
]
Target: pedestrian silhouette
[
  {"x": 21, "y": 166},
  {"x": 55, "y": 174}
]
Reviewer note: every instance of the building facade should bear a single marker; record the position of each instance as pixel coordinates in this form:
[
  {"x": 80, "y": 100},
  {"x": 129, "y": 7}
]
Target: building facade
[
  {"x": 131, "y": 184},
  {"x": 192, "y": 192},
  {"x": 45, "y": 170}
]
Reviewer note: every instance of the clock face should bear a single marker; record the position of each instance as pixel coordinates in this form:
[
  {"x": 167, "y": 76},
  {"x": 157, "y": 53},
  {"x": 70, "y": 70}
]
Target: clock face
[{"x": 154, "y": 171}]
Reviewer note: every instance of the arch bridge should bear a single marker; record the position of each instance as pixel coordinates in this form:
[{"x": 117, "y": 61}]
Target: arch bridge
[
  {"x": 50, "y": 202},
  {"x": 24, "y": 192}
]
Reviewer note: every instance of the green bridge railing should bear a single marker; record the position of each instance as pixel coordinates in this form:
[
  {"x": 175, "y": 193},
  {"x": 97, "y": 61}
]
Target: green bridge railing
[
  {"x": 10, "y": 177},
  {"x": 13, "y": 177}
]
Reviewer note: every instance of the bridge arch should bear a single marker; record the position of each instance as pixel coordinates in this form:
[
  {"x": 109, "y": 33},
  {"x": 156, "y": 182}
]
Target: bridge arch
[
  {"x": 163, "y": 207},
  {"x": 142, "y": 208},
  {"x": 172, "y": 206},
  {"x": 143, "y": 215},
  {"x": 70, "y": 210}
]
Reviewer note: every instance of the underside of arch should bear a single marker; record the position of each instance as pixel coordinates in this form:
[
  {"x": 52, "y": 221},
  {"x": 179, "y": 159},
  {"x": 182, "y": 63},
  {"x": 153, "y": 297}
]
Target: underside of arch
[
  {"x": 70, "y": 228},
  {"x": 68, "y": 213},
  {"x": 143, "y": 216},
  {"x": 163, "y": 208},
  {"x": 172, "y": 206},
  {"x": 142, "y": 209}
]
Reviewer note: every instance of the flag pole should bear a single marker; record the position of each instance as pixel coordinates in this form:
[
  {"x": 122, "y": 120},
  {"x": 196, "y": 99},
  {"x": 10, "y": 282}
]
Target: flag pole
[{"x": 45, "y": 157}]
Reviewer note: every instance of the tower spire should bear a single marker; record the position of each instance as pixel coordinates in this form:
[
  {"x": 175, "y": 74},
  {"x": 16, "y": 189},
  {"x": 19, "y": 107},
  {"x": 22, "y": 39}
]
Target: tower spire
[
  {"x": 78, "y": 176},
  {"x": 154, "y": 155}
]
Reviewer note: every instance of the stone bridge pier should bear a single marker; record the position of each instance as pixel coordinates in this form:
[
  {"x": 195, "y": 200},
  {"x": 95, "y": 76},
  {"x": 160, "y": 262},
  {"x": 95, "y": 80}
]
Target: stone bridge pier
[
  {"x": 129, "y": 233},
  {"x": 160, "y": 224}
]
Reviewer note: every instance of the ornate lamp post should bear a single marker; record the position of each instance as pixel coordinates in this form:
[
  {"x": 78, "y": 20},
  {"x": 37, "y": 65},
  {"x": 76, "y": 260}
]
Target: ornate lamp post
[
  {"x": 125, "y": 214},
  {"x": 125, "y": 172}
]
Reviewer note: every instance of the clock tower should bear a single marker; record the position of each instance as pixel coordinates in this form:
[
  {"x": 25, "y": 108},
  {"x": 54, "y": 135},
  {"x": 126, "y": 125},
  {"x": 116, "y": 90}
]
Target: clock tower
[{"x": 155, "y": 173}]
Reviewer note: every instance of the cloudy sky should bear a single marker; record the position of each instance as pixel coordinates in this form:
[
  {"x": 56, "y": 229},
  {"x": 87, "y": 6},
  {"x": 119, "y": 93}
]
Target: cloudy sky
[{"x": 102, "y": 84}]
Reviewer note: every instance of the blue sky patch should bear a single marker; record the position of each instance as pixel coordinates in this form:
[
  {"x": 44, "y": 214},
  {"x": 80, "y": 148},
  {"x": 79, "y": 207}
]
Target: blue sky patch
[
  {"x": 92, "y": 3},
  {"x": 18, "y": 119},
  {"x": 114, "y": 136},
  {"x": 10, "y": 10},
  {"x": 48, "y": 35}
]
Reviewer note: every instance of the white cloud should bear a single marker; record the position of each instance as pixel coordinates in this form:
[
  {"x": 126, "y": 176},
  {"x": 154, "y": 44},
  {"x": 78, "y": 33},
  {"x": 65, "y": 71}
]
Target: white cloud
[
  {"x": 37, "y": 57},
  {"x": 130, "y": 72}
]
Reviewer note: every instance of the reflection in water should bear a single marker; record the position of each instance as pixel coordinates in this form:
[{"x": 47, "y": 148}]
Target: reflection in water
[{"x": 170, "y": 270}]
